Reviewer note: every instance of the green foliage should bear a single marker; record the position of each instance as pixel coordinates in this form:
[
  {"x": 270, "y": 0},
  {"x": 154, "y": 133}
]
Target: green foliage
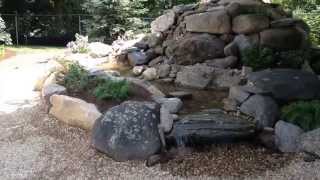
[
  {"x": 263, "y": 58},
  {"x": 303, "y": 114},
  {"x": 111, "y": 89},
  {"x": 258, "y": 58},
  {"x": 292, "y": 59},
  {"x": 80, "y": 45},
  {"x": 5, "y": 37},
  {"x": 77, "y": 78},
  {"x": 112, "y": 18},
  {"x": 309, "y": 11}
]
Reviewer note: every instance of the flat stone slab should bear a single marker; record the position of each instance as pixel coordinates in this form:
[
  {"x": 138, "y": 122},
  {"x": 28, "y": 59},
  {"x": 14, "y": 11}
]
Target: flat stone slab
[
  {"x": 211, "y": 126},
  {"x": 287, "y": 84}
]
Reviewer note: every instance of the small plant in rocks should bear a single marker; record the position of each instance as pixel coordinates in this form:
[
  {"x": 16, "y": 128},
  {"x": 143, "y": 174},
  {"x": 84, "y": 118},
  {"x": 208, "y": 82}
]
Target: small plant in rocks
[
  {"x": 303, "y": 114},
  {"x": 76, "y": 78},
  {"x": 258, "y": 58},
  {"x": 80, "y": 45},
  {"x": 111, "y": 89}
]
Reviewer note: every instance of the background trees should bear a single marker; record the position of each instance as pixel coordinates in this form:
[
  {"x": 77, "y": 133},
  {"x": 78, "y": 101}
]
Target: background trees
[{"x": 107, "y": 19}]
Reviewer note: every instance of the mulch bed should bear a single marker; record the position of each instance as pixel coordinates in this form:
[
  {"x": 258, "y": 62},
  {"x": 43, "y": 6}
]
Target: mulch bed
[{"x": 234, "y": 160}]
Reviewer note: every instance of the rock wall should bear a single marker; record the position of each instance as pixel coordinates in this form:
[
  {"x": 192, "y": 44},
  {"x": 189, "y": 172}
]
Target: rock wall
[{"x": 215, "y": 33}]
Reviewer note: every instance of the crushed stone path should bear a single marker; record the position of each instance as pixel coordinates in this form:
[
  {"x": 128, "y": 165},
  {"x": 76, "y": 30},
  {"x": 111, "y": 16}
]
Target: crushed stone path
[{"x": 34, "y": 145}]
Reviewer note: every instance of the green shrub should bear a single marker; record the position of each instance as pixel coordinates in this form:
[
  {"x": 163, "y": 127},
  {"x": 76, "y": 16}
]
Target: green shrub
[
  {"x": 76, "y": 78},
  {"x": 292, "y": 59},
  {"x": 303, "y": 114},
  {"x": 258, "y": 58},
  {"x": 263, "y": 58},
  {"x": 110, "y": 89}
]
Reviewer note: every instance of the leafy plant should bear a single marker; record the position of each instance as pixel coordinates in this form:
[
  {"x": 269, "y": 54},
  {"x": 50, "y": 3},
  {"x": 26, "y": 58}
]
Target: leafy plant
[
  {"x": 5, "y": 38},
  {"x": 303, "y": 114},
  {"x": 292, "y": 59},
  {"x": 258, "y": 58},
  {"x": 76, "y": 78},
  {"x": 80, "y": 45},
  {"x": 111, "y": 89}
]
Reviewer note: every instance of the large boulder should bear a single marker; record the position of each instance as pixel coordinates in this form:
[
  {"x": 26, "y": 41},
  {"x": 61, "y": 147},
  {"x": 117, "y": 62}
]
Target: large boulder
[
  {"x": 51, "y": 89},
  {"x": 195, "y": 48},
  {"x": 224, "y": 63},
  {"x": 283, "y": 38},
  {"x": 263, "y": 108},
  {"x": 310, "y": 142},
  {"x": 286, "y": 84},
  {"x": 98, "y": 49},
  {"x": 138, "y": 58},
  {"x": 216, "y": 22},
  {"x": 250, "y": 23},
  {"x": 210, "y": 126},
  {"x": 226, "y": 78},
  {"x": 128, "y": 131},
  {"x": 197, "y": 76},
  {"x": 287, "y": 136},
  {"x": 73, "y": 111},
  {"x": 164, "y": 22}
]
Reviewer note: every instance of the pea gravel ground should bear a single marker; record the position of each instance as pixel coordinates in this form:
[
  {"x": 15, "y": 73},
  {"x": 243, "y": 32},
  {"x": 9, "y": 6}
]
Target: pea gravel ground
[{"x": 34, "y": 145}]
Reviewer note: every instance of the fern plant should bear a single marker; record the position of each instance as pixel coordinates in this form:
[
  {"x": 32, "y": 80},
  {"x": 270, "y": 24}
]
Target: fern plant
[
  {"x": 303, "y": 114},
  {"x": 76, "y": 78},
  {"x": 111, "y": 89}
]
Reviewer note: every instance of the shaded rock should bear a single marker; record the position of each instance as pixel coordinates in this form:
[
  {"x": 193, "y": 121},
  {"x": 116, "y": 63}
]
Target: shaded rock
[
  {"x": 285, "y": 22},
  {"x": 98, "y": 49},
  {"x": 224, "y": 63},
  {"x": 250, "y": 23},
  {"x": 150, "y": 74},
  {"x": 179, "y": 9},
  {"x": 310, "y": 142},
  {"x": 174, "y": 105},
  {"x": 151, "y": 89},
  {"x": 243, "y": 42},
  {"x": 227, "y": 38},
  {"x": 166, "y": 119},
  {"x": 287, "y": 84},
  {"x": 226, "y": 78},
  {"x": 242, "y": 2},
  {"x": 138, "y": 70},
  {"x": 181, "y": 94},
  {"x": 217, "y": 22},
  {"x": 287, "y": 136},
  {"x": 231, "y": 49},
  {"x": 267, "y": 138},
  {"x": 128, "y": 131},
  {"x": 73, "y": 111},
  {"x": 195, "y": 48},
  {"x": 210, "y": 126},
  {"x": 137, "y": 58},
  {"x": 164, "y": 22},
  {"x": 230, "y": 104},
  {"x": 237, "y": 93},
  {"x": 164, "y": 70},
  {"x": 51, "y": 89},
  {"x": 52, "y": 79},
  {"x": 282, "y": 38},
  {"x": 197, "y": 76},
  {"x": 263, "y": 108},
  {"x": 154, "y": 39},
  {"x": 156, "y": 61}
]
